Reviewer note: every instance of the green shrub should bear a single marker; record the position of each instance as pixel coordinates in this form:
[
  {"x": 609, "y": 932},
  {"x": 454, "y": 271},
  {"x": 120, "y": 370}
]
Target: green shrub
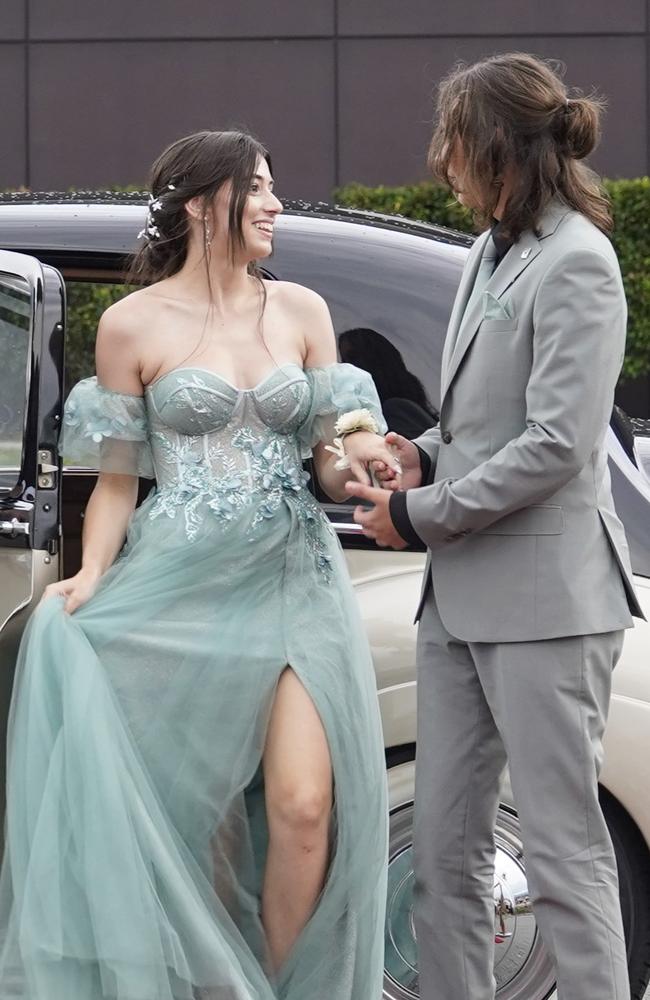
[
  {"x": 86, "y": 301},
  {"x": 631, "y": 203},
  {"x": 425, "y": 202}
]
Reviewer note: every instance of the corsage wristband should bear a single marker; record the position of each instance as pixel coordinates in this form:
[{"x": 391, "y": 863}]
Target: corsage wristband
[{"x": 349, "y": 423}]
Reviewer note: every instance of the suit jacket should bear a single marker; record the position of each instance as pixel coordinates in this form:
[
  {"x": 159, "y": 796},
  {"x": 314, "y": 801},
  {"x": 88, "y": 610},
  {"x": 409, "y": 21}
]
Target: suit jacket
[{"x": 518, "y": 516}]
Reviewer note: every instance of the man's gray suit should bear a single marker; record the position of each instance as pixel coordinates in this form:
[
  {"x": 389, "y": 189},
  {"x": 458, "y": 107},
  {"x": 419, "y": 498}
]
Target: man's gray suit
[{"x": 521, "y": 628}]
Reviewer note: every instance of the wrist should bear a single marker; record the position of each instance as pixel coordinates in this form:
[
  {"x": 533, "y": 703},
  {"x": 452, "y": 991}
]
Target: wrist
[
  {"x": 354, "y": 421},
  {"x": 342, "y": 448},
  {"x": 355, "y": 436},
  {"x": 90, "y": 572}
]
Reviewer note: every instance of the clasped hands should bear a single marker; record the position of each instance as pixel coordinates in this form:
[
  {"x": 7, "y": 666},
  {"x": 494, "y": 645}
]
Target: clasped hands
[{"x": 376, "y": 522}]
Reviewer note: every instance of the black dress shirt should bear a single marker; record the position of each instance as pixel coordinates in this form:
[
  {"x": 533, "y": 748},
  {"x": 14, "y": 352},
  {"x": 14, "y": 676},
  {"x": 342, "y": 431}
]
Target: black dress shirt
[{"x": 501, "y": 243}]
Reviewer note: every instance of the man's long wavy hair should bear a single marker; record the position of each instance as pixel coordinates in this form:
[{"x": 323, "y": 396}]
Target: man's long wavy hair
[{"x": 514, "y": 110}]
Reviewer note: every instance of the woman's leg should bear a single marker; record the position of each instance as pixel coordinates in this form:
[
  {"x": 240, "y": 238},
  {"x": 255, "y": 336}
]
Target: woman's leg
[{"x": 298, "y": 789}]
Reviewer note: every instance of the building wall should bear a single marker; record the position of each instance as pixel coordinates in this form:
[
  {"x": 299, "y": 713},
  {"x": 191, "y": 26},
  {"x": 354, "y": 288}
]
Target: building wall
[{"x": 341, "y": 90}]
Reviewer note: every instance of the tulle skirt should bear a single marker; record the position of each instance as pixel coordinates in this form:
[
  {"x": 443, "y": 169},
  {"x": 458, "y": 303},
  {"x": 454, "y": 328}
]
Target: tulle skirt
[{"x": 136, "y": 825}]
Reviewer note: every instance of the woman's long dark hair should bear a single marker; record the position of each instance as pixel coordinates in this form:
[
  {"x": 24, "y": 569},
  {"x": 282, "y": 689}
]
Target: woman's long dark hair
[
  {"x": 514, "y": 109},
  {"x": 195, "y": 166}
]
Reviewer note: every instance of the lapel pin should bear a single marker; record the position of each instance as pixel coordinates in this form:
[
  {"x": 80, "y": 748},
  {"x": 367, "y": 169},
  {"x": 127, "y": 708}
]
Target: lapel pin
[{"x": 524, "y": 253}]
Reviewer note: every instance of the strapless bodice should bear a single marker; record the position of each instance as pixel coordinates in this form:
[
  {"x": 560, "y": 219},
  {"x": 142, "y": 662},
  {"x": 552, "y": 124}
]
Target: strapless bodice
[
  {"x": 218, "y": 451},
  {"x": 196, "y": 401},
  {"x": 227, "y": 449}
]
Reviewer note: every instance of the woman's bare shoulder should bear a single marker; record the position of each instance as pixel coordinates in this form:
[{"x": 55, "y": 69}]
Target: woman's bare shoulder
[
  {"x": 126, "y": 316},
  {"x": 124, "y": 341},
  {"x": 129, "y": 321},
  {"x": 299, "y": 297},
  {"x": 309, "y": 315}
]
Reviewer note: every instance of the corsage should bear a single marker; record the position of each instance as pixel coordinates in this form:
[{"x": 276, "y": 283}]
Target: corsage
[{"x": 348, "y": 423}]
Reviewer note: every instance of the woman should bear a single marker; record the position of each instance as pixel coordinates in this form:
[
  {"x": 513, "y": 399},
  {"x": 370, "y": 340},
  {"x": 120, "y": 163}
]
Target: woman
[{"x": 196, "y": 802}]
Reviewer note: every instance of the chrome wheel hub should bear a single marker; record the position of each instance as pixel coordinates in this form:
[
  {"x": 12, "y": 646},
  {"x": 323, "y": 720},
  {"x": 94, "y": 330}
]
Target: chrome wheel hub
[{"x": 522, "y": 968}]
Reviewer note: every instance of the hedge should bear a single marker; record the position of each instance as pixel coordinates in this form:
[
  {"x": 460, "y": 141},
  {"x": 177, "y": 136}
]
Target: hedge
[
  {"x": 631, "y": 204},
  {"x": 86, "y": 301}
]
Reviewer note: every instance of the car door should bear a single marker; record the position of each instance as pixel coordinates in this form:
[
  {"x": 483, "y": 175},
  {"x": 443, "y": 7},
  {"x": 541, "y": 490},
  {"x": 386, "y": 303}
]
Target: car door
[{"x": 32, "y": 314}]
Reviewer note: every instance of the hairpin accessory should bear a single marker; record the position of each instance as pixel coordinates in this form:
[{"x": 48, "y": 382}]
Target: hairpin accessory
[{"x": 151, "y": 230}]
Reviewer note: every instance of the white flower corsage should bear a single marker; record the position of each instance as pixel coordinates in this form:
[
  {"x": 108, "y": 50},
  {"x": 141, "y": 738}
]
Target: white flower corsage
[
  {"x": 348, "y": 423},
  {"x": 356, "y": 420}
]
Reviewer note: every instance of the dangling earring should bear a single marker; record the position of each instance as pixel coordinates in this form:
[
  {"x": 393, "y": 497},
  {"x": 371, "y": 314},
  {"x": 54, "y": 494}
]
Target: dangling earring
[{"x": 207, "y": 235}]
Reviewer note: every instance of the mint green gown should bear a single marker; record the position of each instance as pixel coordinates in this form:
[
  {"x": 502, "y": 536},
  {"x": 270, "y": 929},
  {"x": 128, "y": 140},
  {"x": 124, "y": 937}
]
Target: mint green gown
[{"x": 136, "y": 828}]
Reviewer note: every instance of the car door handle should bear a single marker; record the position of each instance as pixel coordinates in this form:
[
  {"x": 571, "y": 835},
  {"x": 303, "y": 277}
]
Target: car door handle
[
  {"x": 345, "y": 528},
  {"x": 14, "y": 528}
]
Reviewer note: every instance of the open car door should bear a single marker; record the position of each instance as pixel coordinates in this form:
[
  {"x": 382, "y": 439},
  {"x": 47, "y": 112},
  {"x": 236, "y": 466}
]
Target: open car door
[{"x": 32, "y": 316}]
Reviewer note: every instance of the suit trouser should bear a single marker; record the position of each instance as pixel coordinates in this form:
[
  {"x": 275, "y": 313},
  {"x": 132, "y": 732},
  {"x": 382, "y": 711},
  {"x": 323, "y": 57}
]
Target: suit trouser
[{"x": 542, "y": 705}]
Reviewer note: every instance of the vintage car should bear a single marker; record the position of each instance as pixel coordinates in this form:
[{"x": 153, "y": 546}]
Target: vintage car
[{"x": 390, "y": 285}]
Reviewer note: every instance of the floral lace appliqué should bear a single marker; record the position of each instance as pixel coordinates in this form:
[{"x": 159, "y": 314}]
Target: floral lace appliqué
[
  {"x": 279, "y": 478},
  {"x": 210, "y": 482}
]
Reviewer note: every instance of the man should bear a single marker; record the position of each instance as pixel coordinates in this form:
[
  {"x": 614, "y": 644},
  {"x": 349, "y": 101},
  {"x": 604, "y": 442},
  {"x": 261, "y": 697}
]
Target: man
[{"x": 530, "y": 589}]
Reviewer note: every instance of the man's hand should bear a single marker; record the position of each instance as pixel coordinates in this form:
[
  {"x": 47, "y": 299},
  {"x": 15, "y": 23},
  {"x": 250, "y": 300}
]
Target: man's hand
[
  {"x": 408, "y": 456},
  {"x": 376, "y": 523}
]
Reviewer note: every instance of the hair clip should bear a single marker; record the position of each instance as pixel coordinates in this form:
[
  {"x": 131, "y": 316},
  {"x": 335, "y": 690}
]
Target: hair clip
[
  {"x": 151, "y": 230},
  {"x": 156, "y": 203}
]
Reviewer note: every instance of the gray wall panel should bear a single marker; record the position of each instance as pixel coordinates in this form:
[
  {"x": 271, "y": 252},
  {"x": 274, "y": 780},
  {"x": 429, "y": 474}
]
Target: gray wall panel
[
  {"x": 127, "y": 19},
  {"x": 124, "y": 99},
  {"x": 121, "y": 121},
  {"x": 12, "y": 114},
  {"x": 476, "y": 17},
  {"x": 387, "y": 88},
  {"x": 386, "y": 107},
  {"x": 12, "y": 20},
  {"x": 617, "y": 67}
]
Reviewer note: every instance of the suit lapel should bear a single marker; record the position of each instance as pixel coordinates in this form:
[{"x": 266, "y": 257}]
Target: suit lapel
[
  {"x": 520, "y": 255},
  {"x": 462, "y": 296}
]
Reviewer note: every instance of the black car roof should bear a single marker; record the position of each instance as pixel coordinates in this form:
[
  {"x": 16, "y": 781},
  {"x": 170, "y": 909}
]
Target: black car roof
[{"x": 63, "y": 221}]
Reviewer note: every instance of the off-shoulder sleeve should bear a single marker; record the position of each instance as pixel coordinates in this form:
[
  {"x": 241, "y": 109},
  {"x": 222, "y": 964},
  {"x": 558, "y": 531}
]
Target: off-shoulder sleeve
[
  {"x": 336, "y": 389},
  {"x": 106, "y": 430}
]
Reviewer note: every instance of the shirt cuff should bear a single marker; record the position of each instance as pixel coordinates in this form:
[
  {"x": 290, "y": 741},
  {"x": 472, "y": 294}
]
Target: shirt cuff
[
  {"x": 425, "y": 466},
  {"x": 400, "y": 517}
]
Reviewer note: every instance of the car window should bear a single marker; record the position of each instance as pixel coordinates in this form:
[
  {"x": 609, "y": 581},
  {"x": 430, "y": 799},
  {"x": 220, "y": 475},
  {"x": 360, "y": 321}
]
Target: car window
[
  {"x": 405, "y": 402},
  {"x": 86, "y": 301},
  {"x": 15, "y": 351},
  {"x": 396, "y": 286}
]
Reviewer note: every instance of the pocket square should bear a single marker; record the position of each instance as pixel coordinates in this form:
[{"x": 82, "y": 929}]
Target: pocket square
[{"x": 497, "y": 308}]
